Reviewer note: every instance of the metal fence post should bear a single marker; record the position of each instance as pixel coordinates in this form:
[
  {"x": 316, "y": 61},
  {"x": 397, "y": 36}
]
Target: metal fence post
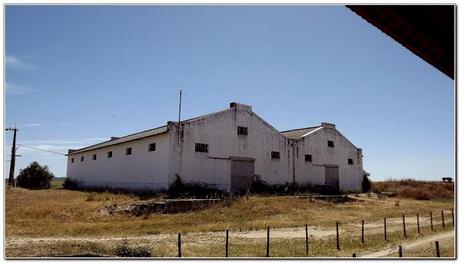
[
  {"x": 362, "y": 231},
  {"x": 431, "y": 221},
  {"x": 268, "y": 241},
  {"x": 179, "y": 249},
  {"x": 385, "y": 227},
  {"x": 354, "y": 255},
  {"x": 438, "y": 252},
  {"x": 306, "y": 239},
  {"x": 442, "y": 218},
  {"x": 418, "y": 225},
  {"x": 226, "y": 243},
  {"x": 404, "y": 225},
  {"x": 337, "y": 234},
  {"x": 452, "y": 213},
  {"x": 400, "y": 251}
]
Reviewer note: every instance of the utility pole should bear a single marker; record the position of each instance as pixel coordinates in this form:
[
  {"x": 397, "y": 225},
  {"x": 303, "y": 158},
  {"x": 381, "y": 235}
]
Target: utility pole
[{"x": 13, "y": 155}]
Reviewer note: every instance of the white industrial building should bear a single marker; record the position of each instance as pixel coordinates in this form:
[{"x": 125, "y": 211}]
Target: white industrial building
[{"x": 224, "y": 150}]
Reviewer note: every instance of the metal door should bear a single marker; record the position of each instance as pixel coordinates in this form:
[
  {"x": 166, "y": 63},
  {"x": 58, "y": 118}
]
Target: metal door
[
  {"x": 242, "y": 173},
  {"x": 332, "y": 177}
]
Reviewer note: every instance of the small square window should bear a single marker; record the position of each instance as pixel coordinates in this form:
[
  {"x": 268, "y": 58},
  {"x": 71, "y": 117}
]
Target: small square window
[
  {"x": 201, "y": 147},
  {"x": 242, "y": 130},
  {"x": 330, "y": 144},
  {"x": 72, "y": 159},
  {"x": 109, "y": 154},
  {"x": 308, "y": 158},
  {"x": 82, "y": 158},
  {"x": 94, "y": 156},
  {"x": 129, "y": 151},
  {"x": 152, "y": 147},
  {"x": 275, "y": 155},
  {"x": 350, "y": 161}
]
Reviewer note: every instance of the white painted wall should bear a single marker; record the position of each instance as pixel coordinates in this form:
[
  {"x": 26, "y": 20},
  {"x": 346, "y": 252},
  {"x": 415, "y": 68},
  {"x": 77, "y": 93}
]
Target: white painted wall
[{"x": 141, "y": 170}]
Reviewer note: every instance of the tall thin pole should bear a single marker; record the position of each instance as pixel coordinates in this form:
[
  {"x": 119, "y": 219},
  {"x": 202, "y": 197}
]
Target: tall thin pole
[
  {"x": 13, "y": 156},
  {"x": 180, "y": 103}
]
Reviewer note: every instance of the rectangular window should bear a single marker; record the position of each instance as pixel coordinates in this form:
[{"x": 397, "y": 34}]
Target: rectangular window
[
  {"x": 275, "y": 155},
  {"x": 350, "y": 161},
  {"x": 152, "y": 147},
  {"x": 94, "y": 156},
  {"x": 109, "y": 154},
  {"x": 129, "y": 151},
  {"x": 242, "y": 130},
  {"x": 330, "y": 144},
  {"x": 201, "y": 147},
  {"x": 82, "y": 158},
  {"x": 72, "y": 160},
  {"x": 308, "y": 158}
]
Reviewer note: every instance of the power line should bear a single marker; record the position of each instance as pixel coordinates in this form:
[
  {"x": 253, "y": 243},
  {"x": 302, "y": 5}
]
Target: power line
[{"x": 36, "y": 148}]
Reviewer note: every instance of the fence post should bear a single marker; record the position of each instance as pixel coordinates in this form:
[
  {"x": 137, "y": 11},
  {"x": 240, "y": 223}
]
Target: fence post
[
  {"x": 268, "y": 241},
  {"x": 362, "y": 231},
  {"x": 385, "y": 227},
  {"x": 442, "y": 217},
  {"x": 431, "y": 221},
  {"x": 404, "y": 225},
  {"x": 452, "y": 213},
  {"x": 438, "y": 252},
  {"x": 306, "y": 238},
  {"x": 179, "y": 250},
  {"x": 418, "y": 225},
  {"x": 400, "y": 251},
  {"x": 226, "y": 243},
  {"x": 337, "y": 234},
  {"x": 354, "y": 255}
]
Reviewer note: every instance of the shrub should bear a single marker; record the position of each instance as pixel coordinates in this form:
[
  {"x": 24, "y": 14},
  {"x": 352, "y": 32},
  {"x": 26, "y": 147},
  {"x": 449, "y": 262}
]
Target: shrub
[
  {"x": 179, "y": 189},
  {"x": 123, "y": 250},
  {"x": 419, "y": 190},
  {"x": 70, "y": 184},
  {"x": 366, "y": 185},
  {"x": 35, "y": 177}
]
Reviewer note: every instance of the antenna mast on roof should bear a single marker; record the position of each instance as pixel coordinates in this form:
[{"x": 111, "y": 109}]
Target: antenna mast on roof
[{"x": 180, "y": 103}]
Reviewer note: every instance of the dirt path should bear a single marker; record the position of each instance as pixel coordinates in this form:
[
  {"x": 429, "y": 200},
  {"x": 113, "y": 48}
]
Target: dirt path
[
  {"x": 386, "y": 252},
  {"x": 393, "y": 224}
]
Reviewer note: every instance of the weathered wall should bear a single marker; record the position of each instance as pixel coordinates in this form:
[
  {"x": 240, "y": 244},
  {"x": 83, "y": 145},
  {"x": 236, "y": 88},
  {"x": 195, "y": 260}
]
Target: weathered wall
[
  {"x": 219, "y": 131},
  {"x": 350, "y": 176},
  {"x": 141, "y": 170}
]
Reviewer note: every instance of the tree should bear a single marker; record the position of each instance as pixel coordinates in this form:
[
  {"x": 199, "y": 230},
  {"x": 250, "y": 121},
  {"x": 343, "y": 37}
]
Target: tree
[
  {"x": 367, "y": 183},
  {"x": 35, "y": 177}
]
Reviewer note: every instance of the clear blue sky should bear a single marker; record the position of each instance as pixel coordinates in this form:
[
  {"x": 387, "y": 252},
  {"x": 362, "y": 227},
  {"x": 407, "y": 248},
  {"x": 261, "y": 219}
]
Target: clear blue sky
[{"x": 78, "y": 75}]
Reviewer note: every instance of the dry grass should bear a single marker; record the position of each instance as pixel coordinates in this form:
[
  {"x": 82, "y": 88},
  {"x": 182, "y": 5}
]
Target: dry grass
[
  {"x": 58, "y": 212},
  {"x": 419, "y": 190}
]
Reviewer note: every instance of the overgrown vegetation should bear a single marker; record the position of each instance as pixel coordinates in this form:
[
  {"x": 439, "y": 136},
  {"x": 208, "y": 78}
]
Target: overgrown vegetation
[
  {"x": 366, "y": 185},
  {"x": 261, "y": 187},
  {"x": 35, "y": 177},
  {"x": 70, "y": 184},
  {"x": 414, "y": 189},
  {"x": 179, "y": 189},
  {"x": 125, "y": 250}
]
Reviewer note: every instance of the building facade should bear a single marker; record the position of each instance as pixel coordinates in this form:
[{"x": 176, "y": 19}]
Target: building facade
[{"x": 223, "y": 150}]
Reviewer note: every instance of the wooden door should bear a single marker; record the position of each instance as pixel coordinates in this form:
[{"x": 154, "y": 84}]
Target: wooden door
[
  {"x": 242, "y": 173},
  {"x": 332, "y": 178}
]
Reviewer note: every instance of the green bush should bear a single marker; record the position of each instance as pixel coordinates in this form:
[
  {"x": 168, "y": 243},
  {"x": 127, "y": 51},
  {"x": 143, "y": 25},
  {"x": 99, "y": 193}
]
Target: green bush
[
  {"x": 179, "y": 189},
  {"x": 35, "y": 177},
  {"x": 70, "y": 184},
  {"x": 366, "y": 185}
]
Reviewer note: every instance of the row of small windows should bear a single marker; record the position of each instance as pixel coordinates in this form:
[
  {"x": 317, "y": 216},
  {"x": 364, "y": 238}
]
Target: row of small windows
[{"x": 129, "y": 151}]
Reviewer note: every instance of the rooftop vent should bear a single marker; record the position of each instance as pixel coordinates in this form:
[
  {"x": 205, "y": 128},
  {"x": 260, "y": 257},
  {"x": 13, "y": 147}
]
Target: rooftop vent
[
  {"x": 235, "y": 105},
  {"x": 114, "y": 138},
  {"x": 327, "y": 125}
]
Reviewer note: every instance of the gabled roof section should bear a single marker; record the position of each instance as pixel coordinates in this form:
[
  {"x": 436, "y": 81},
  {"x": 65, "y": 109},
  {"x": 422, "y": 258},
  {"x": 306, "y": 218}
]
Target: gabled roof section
[{"x": 299, "y": 133}]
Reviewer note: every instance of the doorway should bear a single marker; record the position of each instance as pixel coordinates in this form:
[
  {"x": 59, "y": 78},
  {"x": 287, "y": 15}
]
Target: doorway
[
  {"x": 331, "y": 174},
  {"x": 242, "y": 173}
]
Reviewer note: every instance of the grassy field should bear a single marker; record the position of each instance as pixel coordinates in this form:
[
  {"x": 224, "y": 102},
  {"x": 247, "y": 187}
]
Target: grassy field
[{"x": 59, "y": 213}]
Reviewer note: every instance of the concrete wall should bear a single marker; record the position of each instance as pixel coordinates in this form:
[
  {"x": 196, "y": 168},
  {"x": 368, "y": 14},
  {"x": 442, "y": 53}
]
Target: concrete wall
[
  {"x": 141, "y": 170},
  {"x": 350, "y": 176},
  {"x": 219, "y": 131}
]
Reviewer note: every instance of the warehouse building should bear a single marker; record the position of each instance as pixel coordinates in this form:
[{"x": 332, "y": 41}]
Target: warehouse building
[{"x": 223, "y": 150}]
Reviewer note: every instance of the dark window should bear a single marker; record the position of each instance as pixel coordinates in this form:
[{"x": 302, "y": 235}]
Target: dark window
[
  {"x": 242, "y": 130},
  {"x": 201, "y": 147},
  {"x": 350, "y": 161},
  {"x": 82, "y": 158},
  {"x": 109, "y": 154},
  {"x": 275, "y": 155},
  {"x": 94, "y": 156},
  {"x": 129, "y": 151},
  {"x": 72, "y": 160},
  {"x": 308, "y": 158},
  {"x": 152, "y": 147},
  {"x": 330, "y": 144}
]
